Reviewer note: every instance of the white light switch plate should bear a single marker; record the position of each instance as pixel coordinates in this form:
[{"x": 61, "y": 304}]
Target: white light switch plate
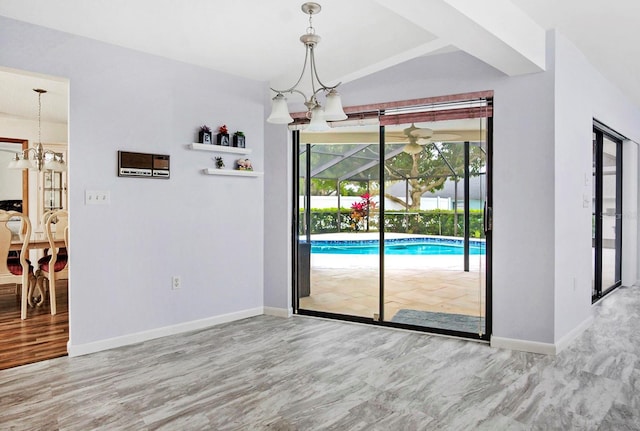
[{"x": 97, "y": 197}]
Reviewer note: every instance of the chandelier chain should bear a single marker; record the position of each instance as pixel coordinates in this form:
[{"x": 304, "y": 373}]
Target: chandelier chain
[
  {"x": 310, "y": 29},
  {"x": 39, "y": 116}
]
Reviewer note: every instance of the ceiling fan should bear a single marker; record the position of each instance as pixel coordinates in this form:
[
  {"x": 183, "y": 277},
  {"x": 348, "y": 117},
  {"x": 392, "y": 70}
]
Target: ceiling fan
[{"x": 419, "y": 137}]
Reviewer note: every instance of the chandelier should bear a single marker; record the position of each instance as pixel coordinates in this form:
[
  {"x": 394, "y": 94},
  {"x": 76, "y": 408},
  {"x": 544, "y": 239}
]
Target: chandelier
[
  {"x": 42, "y": 159},
  {"x": 318, "y": 115}
]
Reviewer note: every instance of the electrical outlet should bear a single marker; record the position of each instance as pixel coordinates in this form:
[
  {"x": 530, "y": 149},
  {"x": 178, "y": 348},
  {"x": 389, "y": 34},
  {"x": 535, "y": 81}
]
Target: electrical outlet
[
  {"x": 175, "y": 282},
  {"x": 97, "y": 197}
]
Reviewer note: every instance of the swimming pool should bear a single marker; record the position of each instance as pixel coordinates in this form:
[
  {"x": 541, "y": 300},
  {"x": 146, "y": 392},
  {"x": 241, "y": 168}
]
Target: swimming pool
[{"x": 399, "y": 246}]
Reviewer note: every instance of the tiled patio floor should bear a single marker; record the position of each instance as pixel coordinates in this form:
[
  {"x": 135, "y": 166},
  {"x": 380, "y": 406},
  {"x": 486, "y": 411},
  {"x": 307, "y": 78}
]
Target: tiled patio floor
[{"x": 346, "y": 284}]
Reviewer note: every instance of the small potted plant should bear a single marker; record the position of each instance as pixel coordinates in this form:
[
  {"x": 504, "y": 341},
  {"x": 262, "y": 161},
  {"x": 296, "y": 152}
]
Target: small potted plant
[
  {"x": 219, "y": 162},
  {"x": 204, "y": 136},
  {"x": 223, "y": 135},
  {"x": 238, "y": 139}
]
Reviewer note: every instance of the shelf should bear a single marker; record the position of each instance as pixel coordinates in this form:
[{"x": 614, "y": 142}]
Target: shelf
[
  {"x": 219, "y": 148},
  {"x": 232, "y": 172}
]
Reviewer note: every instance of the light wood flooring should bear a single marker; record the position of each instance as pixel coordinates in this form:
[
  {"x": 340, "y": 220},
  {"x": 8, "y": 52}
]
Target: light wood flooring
[
  {"x": 302, "y": 373},
  {"x": 41, "y": 336}
]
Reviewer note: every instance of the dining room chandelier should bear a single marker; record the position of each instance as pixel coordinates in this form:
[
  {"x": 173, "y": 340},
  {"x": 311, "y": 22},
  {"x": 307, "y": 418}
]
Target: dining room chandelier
[
  {"x": 319, "y": 115},
  {"x": 43, "y": 159}
]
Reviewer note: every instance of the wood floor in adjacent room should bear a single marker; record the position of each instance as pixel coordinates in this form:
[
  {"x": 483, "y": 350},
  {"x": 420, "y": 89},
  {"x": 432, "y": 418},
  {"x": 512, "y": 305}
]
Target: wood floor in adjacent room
[
  {"x": 302, "y": 373},
  {"x": 41, "y": 336}
]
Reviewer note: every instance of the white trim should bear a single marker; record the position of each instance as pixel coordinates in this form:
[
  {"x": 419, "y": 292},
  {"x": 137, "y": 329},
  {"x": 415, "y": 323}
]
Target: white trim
[
  {"x": 523, "y": 345},
  {"x": 542, "y": 348},
  {"x": 278, "y": 312},
  {"x": 138, "y": 337},
  {"x": 563, "y": 342}
]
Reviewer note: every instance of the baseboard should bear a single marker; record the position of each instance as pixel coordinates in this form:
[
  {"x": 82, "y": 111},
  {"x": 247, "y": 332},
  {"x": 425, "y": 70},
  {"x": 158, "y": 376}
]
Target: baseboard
[
  {"x": 138, "y": 337},
  {"x": 542, "y": 348},
  {"x": 563, "y": 342},
  {"x": 278, "y": 312},
  {"x": 523, "y": 345}
]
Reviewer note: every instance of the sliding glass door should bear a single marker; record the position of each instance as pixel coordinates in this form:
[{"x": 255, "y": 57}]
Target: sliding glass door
[
  {"x": 338, "y": 253},
  {"x": 607, "y": 212},
  {"x": 393, "y": 221},
  {"x": 434, "y": 239}
]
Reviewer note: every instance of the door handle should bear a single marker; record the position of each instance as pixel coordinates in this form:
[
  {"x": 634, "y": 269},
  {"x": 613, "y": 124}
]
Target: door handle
[{"x": 488, "y": 218}]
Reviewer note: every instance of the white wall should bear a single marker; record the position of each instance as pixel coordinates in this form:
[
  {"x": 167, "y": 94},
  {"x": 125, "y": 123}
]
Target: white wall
[
  {"x": 630, "y": 189},
  {"x": 277, "y": 217},
  {"x": 573, "y": 166},
  {"x": 10, "y": 179},
  {"x": 207, "y": 229},
  {"x": 582, "y": 95}
]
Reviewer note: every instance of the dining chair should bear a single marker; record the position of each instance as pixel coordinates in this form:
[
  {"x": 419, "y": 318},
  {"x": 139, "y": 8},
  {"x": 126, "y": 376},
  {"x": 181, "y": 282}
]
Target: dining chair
[
  {"x": 51, "y": 266},
  {"x": 16, "y": 269}
]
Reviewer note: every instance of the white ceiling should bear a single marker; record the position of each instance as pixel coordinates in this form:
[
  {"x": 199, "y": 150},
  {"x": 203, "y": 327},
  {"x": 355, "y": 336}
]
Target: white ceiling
[{"x": 258, "y": 39}]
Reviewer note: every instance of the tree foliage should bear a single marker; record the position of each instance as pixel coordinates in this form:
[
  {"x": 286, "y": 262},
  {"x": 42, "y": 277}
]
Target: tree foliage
[{"x": 428, "y": 170}]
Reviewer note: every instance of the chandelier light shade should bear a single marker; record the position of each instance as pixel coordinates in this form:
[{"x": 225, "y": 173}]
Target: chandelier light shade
[
  {"x": 318, "y": 122},
  {"x": 279, "y": 111},
  {"x": 42, "y": 159},
  {"x": 318, "y": 115}
]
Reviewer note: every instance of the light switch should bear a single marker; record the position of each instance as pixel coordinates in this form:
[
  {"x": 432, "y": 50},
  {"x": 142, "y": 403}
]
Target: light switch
[{"x": 97, "y": 197}]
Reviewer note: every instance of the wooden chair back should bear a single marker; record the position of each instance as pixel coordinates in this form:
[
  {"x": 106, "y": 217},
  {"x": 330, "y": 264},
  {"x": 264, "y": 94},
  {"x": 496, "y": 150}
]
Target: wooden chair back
[
  {"x": 56, "y": 227},
  {"x": 21, "y": 233}
]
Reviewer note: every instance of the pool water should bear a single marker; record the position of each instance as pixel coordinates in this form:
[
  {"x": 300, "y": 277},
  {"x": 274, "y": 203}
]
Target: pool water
[{"x": 425, "y": 247}]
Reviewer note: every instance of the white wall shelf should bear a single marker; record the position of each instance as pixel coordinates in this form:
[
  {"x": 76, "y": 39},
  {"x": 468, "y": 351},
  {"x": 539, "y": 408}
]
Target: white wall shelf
[
  {"x": 219, "y": 148},
  {"x": 232, "y": 172}
]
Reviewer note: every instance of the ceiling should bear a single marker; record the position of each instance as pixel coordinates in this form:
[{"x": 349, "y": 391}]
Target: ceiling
[{"x": 258, "y": 39}]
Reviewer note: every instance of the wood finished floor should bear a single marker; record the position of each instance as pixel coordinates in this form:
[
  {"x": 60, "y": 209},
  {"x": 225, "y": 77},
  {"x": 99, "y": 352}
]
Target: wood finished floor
[
  {"x": 301, "y": 373},
  {"x": 41, "y": 336}
]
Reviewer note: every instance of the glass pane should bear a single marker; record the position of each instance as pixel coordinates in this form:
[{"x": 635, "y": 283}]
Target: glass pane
[
  {"x": 610, "y": 216},
  {"x": 10, "y": 179},
  {"x": 343, "y": 257},
  {"x": 431, "y": 278}
]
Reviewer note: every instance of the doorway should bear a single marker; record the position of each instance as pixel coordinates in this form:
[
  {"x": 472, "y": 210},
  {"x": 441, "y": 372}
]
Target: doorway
[
  {"x": 42, "y": 335},
  {"x": 393, "y": 221},
  {"x": 606, "y": 211}
]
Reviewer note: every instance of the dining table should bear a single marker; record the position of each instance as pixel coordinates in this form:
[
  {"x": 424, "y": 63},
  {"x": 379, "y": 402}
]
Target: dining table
[{"x": 37, "y": 240}]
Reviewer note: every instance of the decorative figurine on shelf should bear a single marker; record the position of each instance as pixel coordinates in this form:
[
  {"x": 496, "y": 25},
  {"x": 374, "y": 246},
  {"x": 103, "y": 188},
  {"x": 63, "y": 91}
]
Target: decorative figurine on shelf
[
  {"x": 219, "y": 162},
  {"x": 238, "y": 139},
  {"x": 204, "y": 136},
  {"x": 223, "y": 136},
  {"x": 244, "y": 165}
]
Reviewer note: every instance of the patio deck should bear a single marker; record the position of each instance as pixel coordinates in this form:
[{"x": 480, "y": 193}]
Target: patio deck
[{"x": 349, "y": 284}]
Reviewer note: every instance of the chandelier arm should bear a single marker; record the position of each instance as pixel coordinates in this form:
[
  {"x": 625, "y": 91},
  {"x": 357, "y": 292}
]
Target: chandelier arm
[
  {"x": 314, "y": 72},
  {"x": 292, "y": 88}
]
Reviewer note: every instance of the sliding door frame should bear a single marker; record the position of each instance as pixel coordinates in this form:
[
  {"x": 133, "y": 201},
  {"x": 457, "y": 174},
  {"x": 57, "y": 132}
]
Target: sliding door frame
[
  {"x": 369, "y": 111},
  {"x": 601, "y": 131}
]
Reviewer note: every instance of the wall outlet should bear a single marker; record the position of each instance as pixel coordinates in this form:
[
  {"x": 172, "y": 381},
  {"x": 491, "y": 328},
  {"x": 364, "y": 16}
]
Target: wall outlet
[{"x": 176, "y": 283}]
